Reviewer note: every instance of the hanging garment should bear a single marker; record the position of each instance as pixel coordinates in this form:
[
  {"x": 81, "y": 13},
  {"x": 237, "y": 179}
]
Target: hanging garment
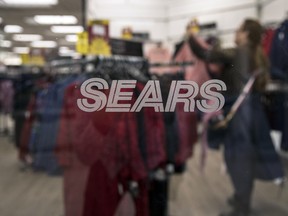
[
  {"x": 188, "y": 136},
  {"x": 75, "y": 172},
  {"x": 267, "y": 40},
  {"x": 119, "y": 151},
  {"x": 103, "y": 194},
  {"x": 120, "y": 160},
  {"x": 159, "y": 55},
  {"x": 284, "y": 142},
  {"x": 24, "y": 89},
  {"x": 193, "y": 50},
  {"x": 49, "y": 109},
  {"x": 278, "y": 54},
  {"x": 25, "y": 115},
  {"x": 151, "y": 138},
  {"x": 6, "y": 96},
  {"x": 26, "y": 131}
]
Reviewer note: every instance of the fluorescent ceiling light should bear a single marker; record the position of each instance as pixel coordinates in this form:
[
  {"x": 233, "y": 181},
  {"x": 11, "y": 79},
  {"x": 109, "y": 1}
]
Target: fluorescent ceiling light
[
  {"x": 55, "y": 20},
  {"x": 27, "y": 37},
  {"x": 13, "y": 60},
  {"x": 71, "y": 38},
  {"x": 5, "y": 43},
  {"x": 21, "y": 50},
  {"x": 66, "y": 29},
  {"x": 64, "y": 48},
  {"x": 44, "y": 44},
  {"x": 66, "y": 51},
  {"x": 13, "y": 29},
  {"x": 30, "y": 2}
]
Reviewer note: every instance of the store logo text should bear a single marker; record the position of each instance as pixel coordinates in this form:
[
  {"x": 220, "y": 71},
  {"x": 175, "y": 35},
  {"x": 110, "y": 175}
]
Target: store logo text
[{"x": 207, "y": 98}]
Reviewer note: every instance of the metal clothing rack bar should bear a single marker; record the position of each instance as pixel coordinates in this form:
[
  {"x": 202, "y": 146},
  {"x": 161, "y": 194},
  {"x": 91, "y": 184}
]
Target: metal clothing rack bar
[
  {"x": 71, "y": 62},
  {"x": 131, "y": 59},
  {"x": 173, "y": 64}
]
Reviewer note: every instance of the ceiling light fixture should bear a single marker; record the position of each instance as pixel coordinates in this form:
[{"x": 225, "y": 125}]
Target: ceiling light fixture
[
  {"x": 44, "y": 44},
  {"x": 13, "y": 29},
  {"x": 66, "y": 29},
  {"x": 21, "y": 50},
  {"x": 30, "y": 2},
  {"x": 55, "y": 20},
  {"x": 5, "y": 43},
  {"x": 27, "y": 37},
  {"x": 71, "y": 38}
]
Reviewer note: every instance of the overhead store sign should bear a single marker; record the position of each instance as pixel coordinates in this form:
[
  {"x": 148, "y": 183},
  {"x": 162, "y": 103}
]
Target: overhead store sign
[
  {"x": 82, "y": 45},
  {"x": 96, "y": 40},
  {"x": 99, "y": 37},
  {"x": 35, "y": 57}
]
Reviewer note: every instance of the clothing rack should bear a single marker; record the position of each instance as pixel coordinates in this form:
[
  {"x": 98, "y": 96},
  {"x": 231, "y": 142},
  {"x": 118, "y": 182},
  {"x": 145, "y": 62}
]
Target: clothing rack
[{"x": 130, "y": 59}]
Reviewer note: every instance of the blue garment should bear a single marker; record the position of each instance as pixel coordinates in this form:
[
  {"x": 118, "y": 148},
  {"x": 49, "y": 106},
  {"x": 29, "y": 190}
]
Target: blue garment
[
  {"x": 284, "y": 143},
  {"x": 279, "y": 70},
  {"x": 279, "y": 53},
  {"x": 44, "y": 135}
]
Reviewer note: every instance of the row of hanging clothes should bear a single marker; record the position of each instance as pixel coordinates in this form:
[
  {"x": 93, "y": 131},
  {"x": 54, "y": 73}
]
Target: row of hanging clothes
[
  {"x": 112, "y": 163},
  {"x": 275, "y": 44},
  {"x": 6, "y": 102}
]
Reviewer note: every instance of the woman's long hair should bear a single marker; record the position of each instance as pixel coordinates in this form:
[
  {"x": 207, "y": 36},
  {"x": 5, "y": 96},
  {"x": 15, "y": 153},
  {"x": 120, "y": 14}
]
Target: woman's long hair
[{"x": 258, "y": 58}]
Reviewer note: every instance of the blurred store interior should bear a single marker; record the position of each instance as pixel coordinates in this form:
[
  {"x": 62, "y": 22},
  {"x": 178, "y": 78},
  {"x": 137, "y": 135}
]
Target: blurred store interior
[{"x": 104, "y": 159}]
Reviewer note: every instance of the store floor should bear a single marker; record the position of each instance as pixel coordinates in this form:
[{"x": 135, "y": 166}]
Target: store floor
[{"x": 193, "y": 194}]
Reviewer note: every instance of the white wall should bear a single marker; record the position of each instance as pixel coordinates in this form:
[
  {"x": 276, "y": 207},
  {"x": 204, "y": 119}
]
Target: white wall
[
  {"x": 167, "y": 19},
  {"x": 145, "y": 16},
  {"x": 276, "y": 11}
]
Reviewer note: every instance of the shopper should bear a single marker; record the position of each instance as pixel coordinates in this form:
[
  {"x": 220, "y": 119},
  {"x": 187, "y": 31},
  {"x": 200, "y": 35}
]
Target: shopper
[{"x": 248, "y": 149}]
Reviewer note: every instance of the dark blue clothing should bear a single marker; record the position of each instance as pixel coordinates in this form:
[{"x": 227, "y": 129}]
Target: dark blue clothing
[
  {"x": 279, "y": 53},
  {"x": 44, "y": 135},
  {"x": 284, "y": 143}
]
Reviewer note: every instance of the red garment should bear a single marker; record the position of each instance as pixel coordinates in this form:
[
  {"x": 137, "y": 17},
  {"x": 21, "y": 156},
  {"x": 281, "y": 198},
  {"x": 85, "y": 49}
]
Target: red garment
[
  {"x": 267, "y": 40},
  {"x": 109, "y": 141},
  {"x": 187, "y": 128},
  {"x": 118, "y": 161},
  {"x": 75, "y": 180},
  {"x": 104, "y": 194},
  {"x": 101, "y": 194},
  {"x": 27, "y": 130},
  {"x": 75, "y": 173},
  {"x": 155, "y": 142}
]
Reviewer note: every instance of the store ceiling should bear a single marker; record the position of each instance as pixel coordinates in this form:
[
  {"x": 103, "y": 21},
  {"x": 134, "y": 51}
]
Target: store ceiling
[{"x": 24, "y": 18}]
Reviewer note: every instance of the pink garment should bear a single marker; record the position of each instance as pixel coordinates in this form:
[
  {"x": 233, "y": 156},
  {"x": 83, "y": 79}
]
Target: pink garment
[
  {"x": 159, "y": 55},
  {"x": 75, "y": 180},
  {"x": 196, "y": 72}
]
